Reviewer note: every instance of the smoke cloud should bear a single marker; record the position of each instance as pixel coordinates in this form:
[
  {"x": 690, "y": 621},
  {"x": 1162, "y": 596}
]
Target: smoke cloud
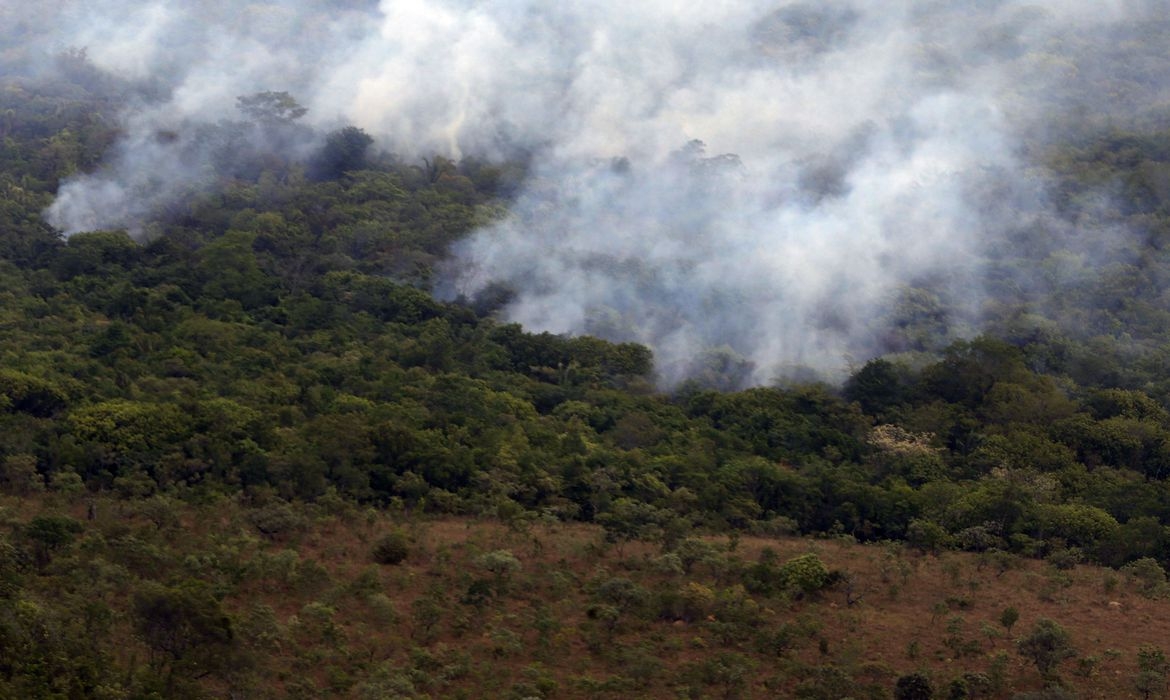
[{"x": 747, "y": 181}]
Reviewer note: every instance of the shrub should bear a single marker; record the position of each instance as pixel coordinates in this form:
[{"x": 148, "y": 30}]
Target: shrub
[
  {"x": 1148, "y": 575},
  {"x": 1152, "y": 669},
  {"x": 696, "y": 601},
  {"x": 804, "y": 574},
  {"x": 501, "y": 564},
  {"x": 276, "y": 519},
  {"x": 978, "y": 685},
  {"x": 622, "y": 594},
  {"x": 18, "y": 473},
  {"x": 1065, "y": 559},
  {"x": 692, "y": 552},
  {"x": 927, "y": 536},
  {"x": 914, "y": 686},
  {"x": 1008, "y": 618},
  {"x": 392, "y": 548},
  {"x": 49, "y": 533},
  {"x": 979, "y": 538},
  {"x": 1046, "y": 646}
]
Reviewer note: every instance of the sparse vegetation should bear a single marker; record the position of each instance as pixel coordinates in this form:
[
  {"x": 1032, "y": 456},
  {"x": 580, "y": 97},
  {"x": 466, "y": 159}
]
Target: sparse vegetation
[{"x": 224, "y": 608}]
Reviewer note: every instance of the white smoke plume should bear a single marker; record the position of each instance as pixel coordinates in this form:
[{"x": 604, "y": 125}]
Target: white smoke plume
[{"x": 753, "y": 176}]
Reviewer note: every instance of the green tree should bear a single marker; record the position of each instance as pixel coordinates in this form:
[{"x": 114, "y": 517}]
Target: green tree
[
  {"x": 729, "y": 671},
  {"x": 1152, "y": 670},
  {"x": 1008, "y": 618},
  {"x": 231, "y": 271},
  {"x": 426, "y": 614},
  {"x": 48, "y": 534},
  {"x": 125, "y": 433},
  {"x": 628, "y": 519},
  {"x": 270, "y": 107},
  {"x": 23, "y": 392},
  {"x": 1046, "y": 646},
  {"x": 392, "y": 548},
  {"x": 913, "y": 686},
  {"x": 878, "y": 387},
  {"x": 501, "y": 564},
  {"x": 805, "y": 574},
  {"x": 344, "y": 150},
  {"x": 1148, "y": 575},
  {"x": 19, "y": 475},
  {"x": 969, "y": 370},
  {"x": 927, "y": 536},
  {"x": 188, "y": 633},
  {"x": 1076, "y": 523}
]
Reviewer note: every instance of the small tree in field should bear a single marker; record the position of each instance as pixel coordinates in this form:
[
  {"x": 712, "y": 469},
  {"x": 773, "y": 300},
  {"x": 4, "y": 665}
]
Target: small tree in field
[
  {"x": 1152, "y": 668},
  {"x": 805, "y": 574},
  {"x": 914, "y": 686},
  {"x": 1009, "y": 617},
  {"x": 628, "y": 520},
  {"x": 393, "y": 548},
  {"x": 1046, "y": 646},
  {"x": 501, "y": 564}
]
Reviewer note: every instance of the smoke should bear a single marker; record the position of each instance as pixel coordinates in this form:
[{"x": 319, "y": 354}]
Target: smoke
[{"x": 759, "y": 181}]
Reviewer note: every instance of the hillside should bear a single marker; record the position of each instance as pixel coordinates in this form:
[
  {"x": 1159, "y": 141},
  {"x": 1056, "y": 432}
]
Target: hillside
[
  {"x": 217, "y": 415},
  {"x": 268, "y": 600}
]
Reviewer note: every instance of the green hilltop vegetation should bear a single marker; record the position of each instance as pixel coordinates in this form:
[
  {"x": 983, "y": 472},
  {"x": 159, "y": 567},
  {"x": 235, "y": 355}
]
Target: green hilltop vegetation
[{"x": 188, "y": 424}]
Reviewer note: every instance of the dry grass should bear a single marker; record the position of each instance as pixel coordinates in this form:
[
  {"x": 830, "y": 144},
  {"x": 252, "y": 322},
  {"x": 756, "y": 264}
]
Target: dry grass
[
  {"x": 341, "y": 625},
  {"x": 896, "y": 617}
]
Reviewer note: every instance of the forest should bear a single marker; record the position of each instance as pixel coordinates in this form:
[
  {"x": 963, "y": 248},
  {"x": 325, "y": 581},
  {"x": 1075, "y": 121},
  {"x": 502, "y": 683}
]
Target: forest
[{"x": 241, "y": 442}]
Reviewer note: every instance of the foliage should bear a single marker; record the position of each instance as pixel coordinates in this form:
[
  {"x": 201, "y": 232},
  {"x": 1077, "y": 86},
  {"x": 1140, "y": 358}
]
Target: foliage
[
  {"x": 1008, "y": 618},
  {"x": 392, "y": 548},
  {"x": 279, "y": 333},
  {"x": 805, "y": 574},
  {"x": 49, "y": 533},
  {"x": 275, "y": 342},
  {"x": 1152, "y": 670},
  {"x": 270, "y": 106},
  {"x": 344, "y": 150},
  {"x": 1148, "y": 576},
  {"x": 1046, "y": 645},
  {"x": 914, "y": 686},
  {"x": 184, "y": 627}
]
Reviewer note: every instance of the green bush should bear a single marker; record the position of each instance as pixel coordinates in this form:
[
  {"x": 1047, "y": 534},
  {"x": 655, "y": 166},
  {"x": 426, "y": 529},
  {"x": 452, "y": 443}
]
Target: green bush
[
  {"x": 1148, "y": 575},
  {"x": 392, "y": 549},
  {"x": 927, "y": 536},
  {"x": 1065, "y": 559},
  {"x": 914, "y": 686},
  {"x": 804, "y": 574},
  {"x": 1046, "y": 646},
  {"x": 276, "y": 519}
]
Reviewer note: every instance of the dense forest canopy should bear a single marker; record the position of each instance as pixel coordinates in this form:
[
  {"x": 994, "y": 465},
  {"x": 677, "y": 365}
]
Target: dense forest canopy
[
  {"x": 267, "y": 317},
  {"x": 718, "y": 300},
  {"x": 693, "y": 180}
]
